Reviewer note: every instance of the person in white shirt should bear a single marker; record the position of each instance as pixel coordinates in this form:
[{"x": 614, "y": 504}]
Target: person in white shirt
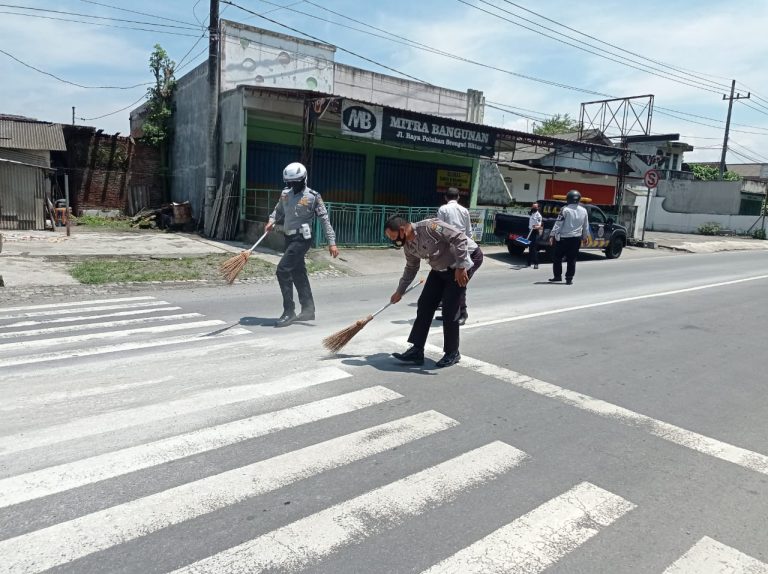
[
  {"x": 456, "y": 215},
  {"x": 534, "y": 230},
  {"x": 570, "y": 229}
]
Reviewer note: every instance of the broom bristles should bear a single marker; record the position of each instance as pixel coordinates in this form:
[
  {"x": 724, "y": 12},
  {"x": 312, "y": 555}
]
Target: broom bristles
[
  {"x": 337, "y": 341},
  {"x": 232, "y": 267}
]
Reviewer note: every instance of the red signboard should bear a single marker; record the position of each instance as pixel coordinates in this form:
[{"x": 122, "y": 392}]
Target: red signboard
[{"x": 599, "y": 194}]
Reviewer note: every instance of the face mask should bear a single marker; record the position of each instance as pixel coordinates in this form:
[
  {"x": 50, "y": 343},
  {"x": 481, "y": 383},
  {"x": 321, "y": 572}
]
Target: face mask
[
  {"x": 297, "y": 185},
  {"x": 397, "y": 243},
  {"x": 534, "y": 210}
]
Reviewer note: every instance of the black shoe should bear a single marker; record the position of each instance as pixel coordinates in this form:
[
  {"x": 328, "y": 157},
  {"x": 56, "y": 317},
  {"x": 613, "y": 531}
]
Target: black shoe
[
  {"x": 463, "y": 318},
  {"x": 569, "y": 281},
  {"x": 413, "y": 355},
  {"x": 286, "y": 319},
  {"x": 306, "y": 315},
  {"x": 448, "y": 360},
  {"x": 439, "y": 318},
  {"x": 555, "y": 279},
  {"x": 535, "y": 266}
]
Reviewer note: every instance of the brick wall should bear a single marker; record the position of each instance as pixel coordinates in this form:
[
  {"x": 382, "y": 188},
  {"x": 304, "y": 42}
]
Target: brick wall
[{"x": 104, "y": 170}]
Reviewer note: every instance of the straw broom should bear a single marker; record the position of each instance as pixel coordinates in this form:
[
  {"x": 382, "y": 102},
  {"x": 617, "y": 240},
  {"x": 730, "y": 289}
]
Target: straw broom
[
  {"x": 232, "y": 267},
  {"x": 337, "y": 341}
]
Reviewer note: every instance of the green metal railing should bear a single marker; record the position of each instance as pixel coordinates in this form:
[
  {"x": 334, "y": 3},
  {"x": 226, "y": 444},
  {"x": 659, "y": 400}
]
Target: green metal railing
[{"x": 357, "y": 224}]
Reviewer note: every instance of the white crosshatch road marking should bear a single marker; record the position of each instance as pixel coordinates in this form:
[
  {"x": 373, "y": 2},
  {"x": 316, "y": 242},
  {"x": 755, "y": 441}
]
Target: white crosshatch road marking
[
  {"x": 68, "y": 541},
  {"x": 72, "y": 475},
  {"x": 540, "y": 538},
  {"x": 709, "y": 556},
  {"x": 303, "y": 543}
]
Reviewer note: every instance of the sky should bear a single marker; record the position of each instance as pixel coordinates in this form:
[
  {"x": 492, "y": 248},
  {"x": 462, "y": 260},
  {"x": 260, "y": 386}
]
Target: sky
[{"x": 694, "y": 47}]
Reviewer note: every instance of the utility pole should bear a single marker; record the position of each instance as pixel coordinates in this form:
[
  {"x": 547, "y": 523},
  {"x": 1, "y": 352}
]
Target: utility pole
[
  {"x": 73, "y": 115},
  {"x": 211, "y": 172},
  {"x": 728, "y": 122}
]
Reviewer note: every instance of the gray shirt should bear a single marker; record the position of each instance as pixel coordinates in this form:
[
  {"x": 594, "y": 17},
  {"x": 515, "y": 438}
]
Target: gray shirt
[
  {"x": 457, "y": 216},
  {"x": 293, "y": 209},
  {"x": 573, "y": 221},
  {"x": 441, "y": 245}
]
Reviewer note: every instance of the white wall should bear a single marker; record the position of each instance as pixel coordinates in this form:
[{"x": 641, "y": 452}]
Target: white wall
[
  {"x": 537, "y": 181},
  {"x": 659, "y": 219}
]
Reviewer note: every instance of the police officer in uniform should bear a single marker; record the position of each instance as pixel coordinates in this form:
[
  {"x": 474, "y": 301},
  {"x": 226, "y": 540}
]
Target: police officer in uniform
[
  {"x": 445, "y": 249},
  {"x": 456, "y": 215},
  {"x": 296, "y": 210},
  {"x": 570, "y": 229}
]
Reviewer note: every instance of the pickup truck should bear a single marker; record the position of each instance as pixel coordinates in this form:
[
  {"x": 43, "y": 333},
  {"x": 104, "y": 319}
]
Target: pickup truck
[{"x": 607, "y": 236}]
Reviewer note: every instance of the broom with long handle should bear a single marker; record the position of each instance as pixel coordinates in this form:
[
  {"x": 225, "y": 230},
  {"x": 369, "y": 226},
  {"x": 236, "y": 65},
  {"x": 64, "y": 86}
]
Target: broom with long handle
[
  {"x": 232, "y": 267},
  {"x": 337, "y": 341}
]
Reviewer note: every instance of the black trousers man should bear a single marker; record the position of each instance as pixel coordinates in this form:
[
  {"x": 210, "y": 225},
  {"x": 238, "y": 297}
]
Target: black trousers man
[
  {"x": 292, "y": 270},
  {"x": 567, "y": 247}
]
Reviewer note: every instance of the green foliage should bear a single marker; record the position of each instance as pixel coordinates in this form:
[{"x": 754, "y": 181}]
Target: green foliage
[
  {"x": 557, "y": 124},
  {"x": 711, "y": 228},
  {"x": 157, "y": 125},
  {"x": 759, "y": 234},
  {"x": 103, "y": 222},
  {"x": 711, "y": 173}
]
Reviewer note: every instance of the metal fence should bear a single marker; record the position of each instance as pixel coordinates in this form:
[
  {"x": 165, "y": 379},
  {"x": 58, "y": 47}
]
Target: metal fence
[
  {"x": 23, "y": 189},
  {"x": 362, "y": 224}
]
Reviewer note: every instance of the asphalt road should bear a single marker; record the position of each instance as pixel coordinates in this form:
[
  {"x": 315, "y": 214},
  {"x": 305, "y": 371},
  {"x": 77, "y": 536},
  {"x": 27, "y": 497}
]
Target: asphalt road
[{"x": 618, "y": 425}]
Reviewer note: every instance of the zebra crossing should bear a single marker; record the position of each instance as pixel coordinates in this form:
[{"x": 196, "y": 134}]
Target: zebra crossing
[
  {"x": 340, "y": 428},
  {"x": 53, "y": 332}
]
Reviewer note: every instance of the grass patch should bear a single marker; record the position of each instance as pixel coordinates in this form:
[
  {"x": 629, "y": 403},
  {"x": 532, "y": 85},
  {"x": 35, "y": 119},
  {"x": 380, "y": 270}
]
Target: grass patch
[
  {"x": 103, "y": 222},
  {"x": 103, "y": 271}
]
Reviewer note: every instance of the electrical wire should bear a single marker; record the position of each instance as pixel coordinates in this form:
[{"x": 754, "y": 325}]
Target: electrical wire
[
  {"x": 137, "y": 12},
  {"x": 750, "y": 151},
  {"x": 664, "y": 75},
  {"x": 80, "y": 15},
  {"x": 72, "y": 83},
  {"x": 102, "y": 24},
  {"x": 115, "y": 112},
  {"x": 695, "y": 74}
]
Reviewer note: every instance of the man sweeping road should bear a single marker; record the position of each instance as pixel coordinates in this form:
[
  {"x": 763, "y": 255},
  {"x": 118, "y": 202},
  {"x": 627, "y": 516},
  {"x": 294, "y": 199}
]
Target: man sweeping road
[
  {"x": 445, "y": 248},
  {"x": 296, "y": 210}
]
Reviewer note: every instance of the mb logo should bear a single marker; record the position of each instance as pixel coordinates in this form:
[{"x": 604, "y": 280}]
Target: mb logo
[{"x": 359, "y": 119}]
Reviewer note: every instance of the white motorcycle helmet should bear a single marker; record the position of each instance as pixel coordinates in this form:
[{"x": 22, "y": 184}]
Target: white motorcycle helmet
[{"x": 294, "y": 172}]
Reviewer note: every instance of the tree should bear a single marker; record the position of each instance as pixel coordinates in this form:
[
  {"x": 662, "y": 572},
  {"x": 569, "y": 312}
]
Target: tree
[
  {"x": 711, "y": 173},
  {"x": 157, "y": 125},
  {"x": 557, "y": 124}
]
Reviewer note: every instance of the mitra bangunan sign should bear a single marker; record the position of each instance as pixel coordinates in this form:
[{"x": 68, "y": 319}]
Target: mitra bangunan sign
[{"x": 363, "y": 120}]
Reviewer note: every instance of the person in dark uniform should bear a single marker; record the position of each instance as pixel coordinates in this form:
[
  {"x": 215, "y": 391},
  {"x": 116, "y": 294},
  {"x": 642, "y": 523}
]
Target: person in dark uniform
[
  {"x": 296, "y": 211},
  {"x": 534, "y": 229},
  {"x": 445, "y": 249},
  {"x": 570, "y": 229}
]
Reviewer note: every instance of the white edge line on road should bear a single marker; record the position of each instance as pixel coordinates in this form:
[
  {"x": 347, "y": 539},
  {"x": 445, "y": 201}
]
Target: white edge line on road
[
  {"x": 540, "y": 538},
  {"x": 178, "y": 409},
  {"x": 71, "y": 475},
  {"x": 724, "y": 451},
  {"x": 63, "y": 396},
  {"x": 603, "y": 303},
  {"x": 102, "y": 325},
  {"x": 305, "y": 542},
  {"x": 55, "y": 341},
  {"x": 83, "y": 310},
  {"x": 73, "y": 304},
  {"x": 711, "y": 557},
  {"x": 88, "y": 317},
  {"x": 77, "y": 353},
  {"x": 68, "y": 541}
]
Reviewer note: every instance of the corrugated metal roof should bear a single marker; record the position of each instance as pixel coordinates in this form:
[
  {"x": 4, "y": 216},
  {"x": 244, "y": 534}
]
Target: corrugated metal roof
[{"x": 23, "y": 133}]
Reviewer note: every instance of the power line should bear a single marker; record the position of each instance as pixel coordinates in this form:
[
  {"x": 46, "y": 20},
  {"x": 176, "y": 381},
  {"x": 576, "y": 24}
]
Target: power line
[
  {"x": 692, "y": 73},
  {"x": 69, "y": 82},
  {"x": 425, "y": 47},
  {"x": 751, "y": 151},
  {"x": 102, "y": 24},
  {"x": 664, "y": 75},
  {"x": 115, "y": 112},
  {"x": 184, "y": 57},
  {"x": 137, "y": 12},
  {"x": 80, "y": 15}
]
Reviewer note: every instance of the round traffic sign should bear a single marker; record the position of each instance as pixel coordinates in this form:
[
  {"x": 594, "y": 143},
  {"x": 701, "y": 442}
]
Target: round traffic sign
[{"x": 651, "y": 178}]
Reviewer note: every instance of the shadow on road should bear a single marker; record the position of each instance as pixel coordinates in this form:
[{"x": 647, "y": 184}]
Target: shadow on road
[
  {"x": 267, "y": 322},
  {"x": 386, "y": 363}
]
